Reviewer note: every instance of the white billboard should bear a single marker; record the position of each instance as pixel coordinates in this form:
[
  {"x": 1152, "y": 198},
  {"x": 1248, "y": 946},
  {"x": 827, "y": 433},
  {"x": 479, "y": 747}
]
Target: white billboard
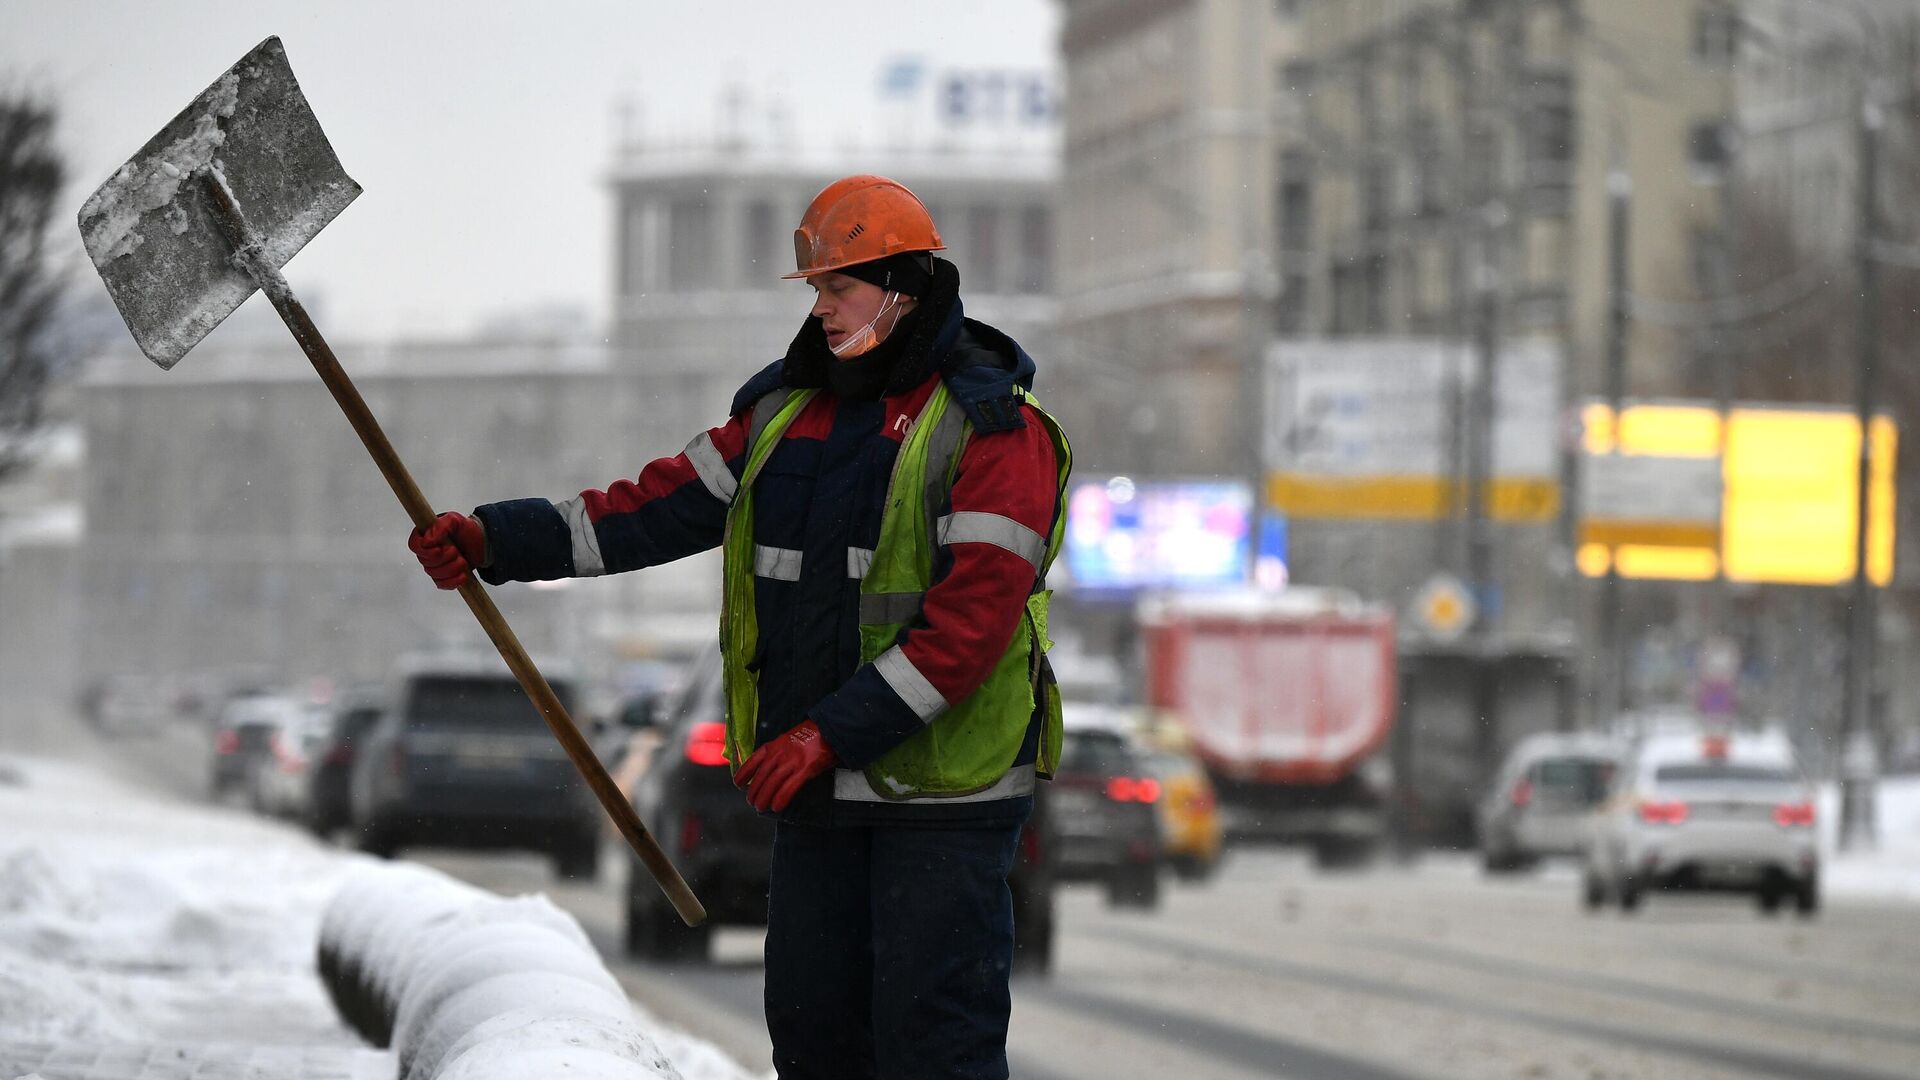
[{"x": 1373, "y": 421}]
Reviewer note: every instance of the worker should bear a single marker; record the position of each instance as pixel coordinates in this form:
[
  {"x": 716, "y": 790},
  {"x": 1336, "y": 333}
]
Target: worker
[{"x": 889, "y": 497}]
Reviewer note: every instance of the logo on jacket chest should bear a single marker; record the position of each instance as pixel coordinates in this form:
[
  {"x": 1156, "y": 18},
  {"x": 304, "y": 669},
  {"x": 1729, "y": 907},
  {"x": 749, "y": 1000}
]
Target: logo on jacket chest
[{"x": 902, "y": 426}]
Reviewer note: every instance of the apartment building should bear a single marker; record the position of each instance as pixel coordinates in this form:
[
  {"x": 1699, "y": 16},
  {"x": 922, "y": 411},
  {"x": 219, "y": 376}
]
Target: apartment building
[{"x": 1165, "y": 224}]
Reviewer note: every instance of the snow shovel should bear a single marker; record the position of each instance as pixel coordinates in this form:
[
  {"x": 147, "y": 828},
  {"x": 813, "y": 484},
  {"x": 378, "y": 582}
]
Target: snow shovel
[{"x": 207, "y": 212}]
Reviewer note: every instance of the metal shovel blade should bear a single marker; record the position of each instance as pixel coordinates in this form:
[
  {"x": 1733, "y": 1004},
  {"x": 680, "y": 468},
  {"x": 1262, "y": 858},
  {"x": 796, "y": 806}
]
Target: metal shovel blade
[{"x": 150, "y": 229}]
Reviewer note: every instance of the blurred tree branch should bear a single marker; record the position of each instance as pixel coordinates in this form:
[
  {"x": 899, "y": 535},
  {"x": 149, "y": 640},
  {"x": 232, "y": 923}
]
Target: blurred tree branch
[{"x": 31, "y": 174}]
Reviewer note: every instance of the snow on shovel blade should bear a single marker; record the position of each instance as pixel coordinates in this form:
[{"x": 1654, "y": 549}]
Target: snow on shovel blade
[{"x": 151, "y": 232}]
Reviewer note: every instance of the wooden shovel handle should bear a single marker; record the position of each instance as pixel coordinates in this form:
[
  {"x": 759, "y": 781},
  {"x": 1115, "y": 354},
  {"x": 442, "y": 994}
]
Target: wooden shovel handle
[{"x": 375, "y": 440}]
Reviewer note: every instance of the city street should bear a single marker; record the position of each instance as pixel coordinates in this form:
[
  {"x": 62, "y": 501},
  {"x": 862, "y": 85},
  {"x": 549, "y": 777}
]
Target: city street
[
  {"x": 1432, "y": 972},
  {"x": 1429, "y": 971}
]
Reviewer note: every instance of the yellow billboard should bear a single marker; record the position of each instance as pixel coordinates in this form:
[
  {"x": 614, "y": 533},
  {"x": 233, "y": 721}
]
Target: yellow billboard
[{"x": 1788, "y": 504}]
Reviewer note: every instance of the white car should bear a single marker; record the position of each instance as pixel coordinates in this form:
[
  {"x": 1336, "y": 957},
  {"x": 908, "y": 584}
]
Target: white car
[
  {"x": 1717, "y": 812},
  {"x": 281, "y": 773}
]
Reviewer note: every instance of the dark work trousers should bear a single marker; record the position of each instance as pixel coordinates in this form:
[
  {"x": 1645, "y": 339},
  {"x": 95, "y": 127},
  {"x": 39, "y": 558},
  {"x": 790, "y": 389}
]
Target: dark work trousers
[{"x": 888, "y": 950}]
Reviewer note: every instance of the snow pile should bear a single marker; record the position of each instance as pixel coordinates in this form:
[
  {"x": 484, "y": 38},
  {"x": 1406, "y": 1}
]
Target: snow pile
[
  {"x": 121, "y": 920},
  {"x": 463, "y": 984},
  {"x": 149, "y": 928},
  {"x": 1891, "y": 869}
]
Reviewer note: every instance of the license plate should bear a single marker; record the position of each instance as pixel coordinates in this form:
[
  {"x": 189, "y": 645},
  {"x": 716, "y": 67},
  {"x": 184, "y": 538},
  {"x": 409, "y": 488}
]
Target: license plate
[
  {"x": 1729, "y": 873},
  {"x": 1074, "y": 802}
]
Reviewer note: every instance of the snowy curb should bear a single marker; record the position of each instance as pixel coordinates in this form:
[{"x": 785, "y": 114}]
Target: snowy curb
[{"x": 465, "y": 985}]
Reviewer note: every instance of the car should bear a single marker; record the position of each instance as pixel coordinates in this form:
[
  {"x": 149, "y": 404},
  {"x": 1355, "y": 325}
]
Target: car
[
  {"x": 463, "y": 758},
  {"x": 1105, "y": 808},
  {"x": 1712, "y": 810},
  {"x": 329, "y": 802},
  {"x": 1191, "y": 830},
  {"x": 242, "y": 735},
  {"x": 684, "y": 791},
  {"x": 124, "y": 704},
  {"x": 1541, "y": 796},
  {"x": 277, "y": 781}
]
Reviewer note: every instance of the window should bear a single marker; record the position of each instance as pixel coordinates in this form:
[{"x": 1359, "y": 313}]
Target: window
[
  {"x": 983, "y": 247},
  {"x": 759, "y": 240},
  {"x": 1710, "y": 151},
  {"x": 1036, "y": 250},
  {"x": 1550, "y": 125},
  {"x": 1374, "y": 294},
  {"x": 1716, "y": 35},
  {"x": 1376, "y": 196},
  {"x": 1426, "y": 170},
  {"x": 1295, "y": 216},
  {"x": 689, "y": 245}
]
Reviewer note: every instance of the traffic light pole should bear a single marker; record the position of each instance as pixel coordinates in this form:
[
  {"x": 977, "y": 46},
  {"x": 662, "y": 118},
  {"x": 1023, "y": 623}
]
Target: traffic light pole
[
  {"x": 1611, "y": 690},
  {"x": 1856, "y": 720}
]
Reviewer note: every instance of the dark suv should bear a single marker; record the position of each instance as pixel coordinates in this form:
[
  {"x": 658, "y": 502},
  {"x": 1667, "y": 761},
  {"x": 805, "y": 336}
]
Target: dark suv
[
  {"x": 1104, "y": 811},
  {"x": 723, "y": 848},
  {"x": 329, "y": 796},
  {"x": 463, "y": 758}
]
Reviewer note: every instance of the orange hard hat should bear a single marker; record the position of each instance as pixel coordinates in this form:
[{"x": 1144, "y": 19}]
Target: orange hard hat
[{"x": 860, "y": 219}]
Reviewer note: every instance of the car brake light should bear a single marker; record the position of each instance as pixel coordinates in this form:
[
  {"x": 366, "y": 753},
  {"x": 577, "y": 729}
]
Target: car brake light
[
  {"x": 1793, "y": 814},
  {"x": 341, "y": 755},
  {"x": 397, "y": 761},
  {"x": 1128, "y": 789},
  {"x": 227, "y": 742},
  {"x": 707, "y": 743},
  {"x": 1663, "y": 813},
  {"x": 689, "y": 833},
  {"x": 1523, "y": 793}
]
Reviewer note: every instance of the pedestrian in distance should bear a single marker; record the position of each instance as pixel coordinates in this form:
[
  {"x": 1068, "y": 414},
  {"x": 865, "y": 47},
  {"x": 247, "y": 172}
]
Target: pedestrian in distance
[{"x": 889, "y": 497}]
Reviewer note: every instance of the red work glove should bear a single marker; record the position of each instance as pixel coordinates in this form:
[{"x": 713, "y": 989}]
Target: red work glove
[
  {"x": 449, "y": 548},
  {"x": 775, "y": 773}
]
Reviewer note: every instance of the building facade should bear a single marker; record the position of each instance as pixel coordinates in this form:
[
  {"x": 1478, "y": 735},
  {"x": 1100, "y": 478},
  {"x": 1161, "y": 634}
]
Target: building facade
[{"x": 1166, "y": 238}]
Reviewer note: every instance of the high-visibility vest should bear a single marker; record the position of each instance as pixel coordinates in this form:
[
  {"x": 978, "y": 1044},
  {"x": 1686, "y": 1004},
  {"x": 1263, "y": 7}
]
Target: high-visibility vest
[{"x": 967, "y": 748}]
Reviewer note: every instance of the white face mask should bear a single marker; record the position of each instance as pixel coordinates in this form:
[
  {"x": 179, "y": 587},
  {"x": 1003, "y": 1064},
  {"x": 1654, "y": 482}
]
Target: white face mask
[{"x": 864, "y": 339}]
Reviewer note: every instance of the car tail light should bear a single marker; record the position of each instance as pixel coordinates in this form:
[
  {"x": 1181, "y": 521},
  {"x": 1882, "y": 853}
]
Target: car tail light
[
  {"x": 707, "y": 743},
  {"x": 689, "y": 833},
  {"x": 226, "y": 742},
  {"x": 1030, "y": 845},
  {"x": 1201, "y": 802},
  {"x": 340, "y": 755},
  {"x": 1663, "y": 813},
  {"x": 397, "y": 761},
  {"x": 1522, "y": 793},
  {"x": 1129, "y": 789},
  {"x": 1794, "y": 814}
]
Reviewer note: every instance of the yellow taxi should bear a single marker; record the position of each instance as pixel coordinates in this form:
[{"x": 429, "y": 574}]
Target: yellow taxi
[{"x": 1190, "y": 825}]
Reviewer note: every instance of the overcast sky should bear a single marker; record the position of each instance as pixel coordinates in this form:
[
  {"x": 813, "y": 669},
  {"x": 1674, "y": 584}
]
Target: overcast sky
[{"x": 482, "y": 131}]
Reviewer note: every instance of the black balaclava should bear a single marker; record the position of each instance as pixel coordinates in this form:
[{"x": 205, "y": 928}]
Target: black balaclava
[{"x": 909, "y": 273}]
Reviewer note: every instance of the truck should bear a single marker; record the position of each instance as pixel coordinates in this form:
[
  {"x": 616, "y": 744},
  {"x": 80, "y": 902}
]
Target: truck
[{"x": 1289, "y": 698}]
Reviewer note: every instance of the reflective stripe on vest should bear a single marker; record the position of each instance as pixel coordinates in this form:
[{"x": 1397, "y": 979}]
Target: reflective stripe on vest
[{"x": 855, "y": 786}]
